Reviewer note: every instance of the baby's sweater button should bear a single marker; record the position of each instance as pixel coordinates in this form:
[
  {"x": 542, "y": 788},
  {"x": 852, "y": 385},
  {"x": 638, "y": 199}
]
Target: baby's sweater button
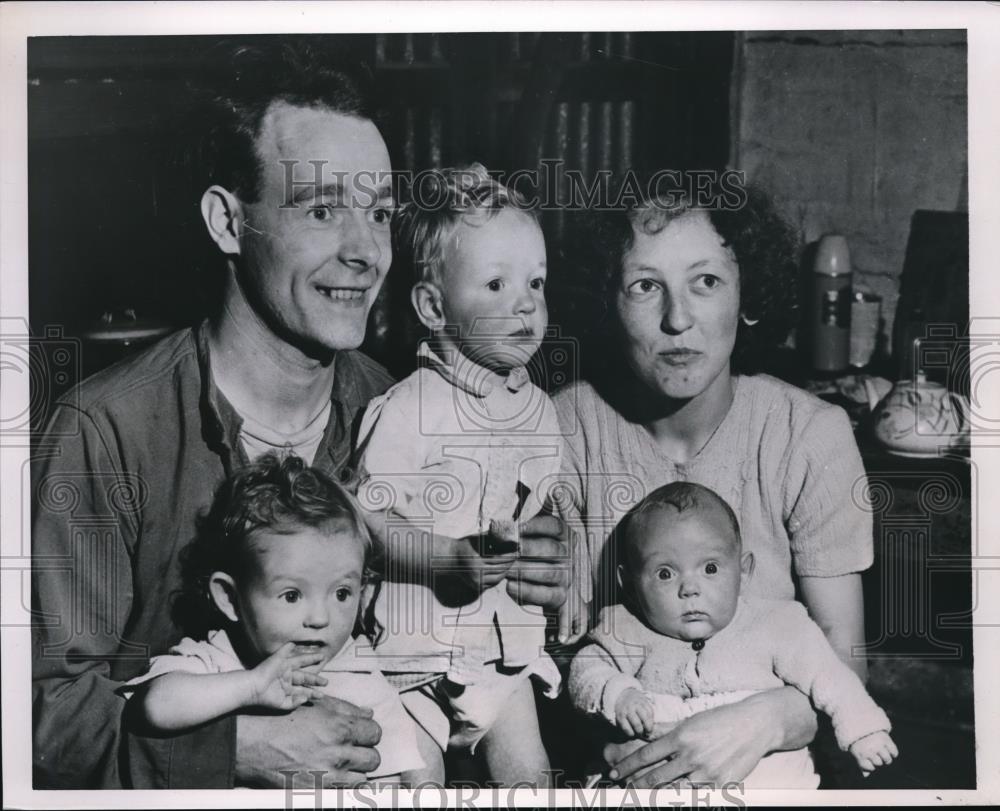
[{"x": 698, "y": 644}]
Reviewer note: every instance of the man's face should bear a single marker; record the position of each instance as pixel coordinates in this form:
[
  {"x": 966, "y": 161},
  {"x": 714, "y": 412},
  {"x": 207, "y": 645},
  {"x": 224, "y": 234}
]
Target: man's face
[{"x": 315, "y": 246}]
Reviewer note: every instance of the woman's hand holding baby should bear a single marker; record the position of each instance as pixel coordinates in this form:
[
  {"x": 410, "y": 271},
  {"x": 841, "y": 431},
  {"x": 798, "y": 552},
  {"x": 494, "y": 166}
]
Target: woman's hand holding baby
[
  {"x": 874, "y": 750},
  {"x": 634, "y": 713},
  {"x": 718, "y": 746},
  {"x": 281, "y": 681}
]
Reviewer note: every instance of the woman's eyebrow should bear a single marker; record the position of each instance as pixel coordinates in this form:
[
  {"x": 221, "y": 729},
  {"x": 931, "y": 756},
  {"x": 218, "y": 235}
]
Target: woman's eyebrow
[{"x": 713, "y": 262}]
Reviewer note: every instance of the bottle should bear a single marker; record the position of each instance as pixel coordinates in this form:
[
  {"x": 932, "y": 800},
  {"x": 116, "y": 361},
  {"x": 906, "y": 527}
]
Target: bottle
[{"x": 831, "y": 312}]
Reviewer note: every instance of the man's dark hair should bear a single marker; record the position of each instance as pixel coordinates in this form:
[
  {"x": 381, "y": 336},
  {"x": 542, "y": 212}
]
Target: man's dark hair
[{"x": 245, "y": 80}]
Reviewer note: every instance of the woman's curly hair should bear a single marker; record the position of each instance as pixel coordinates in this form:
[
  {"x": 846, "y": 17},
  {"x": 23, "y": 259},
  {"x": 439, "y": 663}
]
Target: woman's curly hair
[
  {"x": 280, "y": 495},
  {"x": 763, "y": 245},
  {"x": 441, "y": 200}
]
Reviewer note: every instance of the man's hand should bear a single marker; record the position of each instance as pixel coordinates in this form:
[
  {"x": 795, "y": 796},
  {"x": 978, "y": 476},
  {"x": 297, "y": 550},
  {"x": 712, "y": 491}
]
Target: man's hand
[
  {"x": 634, "y": 713},
  {"x": 720, "y": 745},
  {"x": 541, "y": 574},
  {"x": 328, "y": 735}
]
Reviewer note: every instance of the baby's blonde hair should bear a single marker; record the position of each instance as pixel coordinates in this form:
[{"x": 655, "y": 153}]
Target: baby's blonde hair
[{"x": 445, "y": 199}]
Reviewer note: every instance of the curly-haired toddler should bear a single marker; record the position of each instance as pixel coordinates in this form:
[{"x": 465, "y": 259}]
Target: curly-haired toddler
[{"x": 283, "y": 557}]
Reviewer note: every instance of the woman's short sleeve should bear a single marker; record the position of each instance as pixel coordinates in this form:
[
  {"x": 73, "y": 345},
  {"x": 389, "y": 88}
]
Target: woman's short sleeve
[{"x": 829, "y": 526}]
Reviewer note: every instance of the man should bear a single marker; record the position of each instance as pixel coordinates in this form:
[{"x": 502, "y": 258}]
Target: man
[{"x": 299, "y": 205}]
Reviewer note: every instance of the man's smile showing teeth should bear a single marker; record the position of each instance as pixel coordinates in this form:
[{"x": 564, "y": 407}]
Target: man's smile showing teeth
[{"x": 341, "y": 293}]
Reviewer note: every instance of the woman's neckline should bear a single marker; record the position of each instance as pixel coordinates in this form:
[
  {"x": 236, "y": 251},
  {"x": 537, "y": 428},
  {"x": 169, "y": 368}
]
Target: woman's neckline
[{"x": 701, "y": 452}]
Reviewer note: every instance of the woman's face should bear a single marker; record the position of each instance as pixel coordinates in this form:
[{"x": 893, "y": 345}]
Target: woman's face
[{"x": 678, "y": 305}]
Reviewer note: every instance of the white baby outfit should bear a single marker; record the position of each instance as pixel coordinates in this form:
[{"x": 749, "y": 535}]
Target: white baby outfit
[
  {"x": 450, "y": 448},
  {"x": 352, "y": 675},
  {"x": 768, "y": 643}
]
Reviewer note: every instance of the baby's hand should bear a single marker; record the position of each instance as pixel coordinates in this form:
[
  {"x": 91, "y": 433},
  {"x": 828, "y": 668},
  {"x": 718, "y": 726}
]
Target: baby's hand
[
  {"x": 634, "y": 713},
  {"x": 873, "y": 751},
  {"x": 281, "y": 681}
]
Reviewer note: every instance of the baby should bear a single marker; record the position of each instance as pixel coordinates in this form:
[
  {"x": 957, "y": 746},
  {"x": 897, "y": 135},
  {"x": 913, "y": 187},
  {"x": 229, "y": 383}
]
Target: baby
[
  {"x": 465, "y": 445},
  {"x": 281, "y": 562},
  {"x": 685, "y": 641}
]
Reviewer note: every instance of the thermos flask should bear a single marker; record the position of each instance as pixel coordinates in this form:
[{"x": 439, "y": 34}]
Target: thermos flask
[{"x": 831, "y": 311}]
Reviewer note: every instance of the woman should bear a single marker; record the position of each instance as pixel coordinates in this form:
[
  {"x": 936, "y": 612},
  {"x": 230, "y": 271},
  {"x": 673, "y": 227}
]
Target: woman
[{"x": 694, "y": 296}]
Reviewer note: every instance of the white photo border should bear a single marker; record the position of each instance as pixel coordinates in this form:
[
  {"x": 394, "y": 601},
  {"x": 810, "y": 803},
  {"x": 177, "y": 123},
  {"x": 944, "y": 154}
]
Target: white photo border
[{"x": 18, "y": 21}]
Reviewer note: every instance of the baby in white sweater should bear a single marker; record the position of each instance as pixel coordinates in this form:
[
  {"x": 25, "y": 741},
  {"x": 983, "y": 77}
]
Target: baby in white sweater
[{"x": 686, "y": 641}]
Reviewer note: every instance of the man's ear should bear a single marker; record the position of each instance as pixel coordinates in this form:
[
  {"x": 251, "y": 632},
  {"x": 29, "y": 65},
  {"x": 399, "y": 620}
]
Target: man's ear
[
  {"x": 222, "y": 587},
  {"x": 747, "y": 563},
  {"x": 223, "y": 216},
  {"x": 426, "y": 299}
]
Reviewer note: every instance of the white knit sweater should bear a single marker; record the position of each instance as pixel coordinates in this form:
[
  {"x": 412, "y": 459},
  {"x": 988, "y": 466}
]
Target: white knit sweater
[{"x": 768, "y": 643}]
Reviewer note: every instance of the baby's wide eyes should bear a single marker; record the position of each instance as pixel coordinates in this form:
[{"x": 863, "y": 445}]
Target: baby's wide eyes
[
  {"x": 290, "y": 596},
  {"x": 343, "y": 594},
  {"x": 663, "y": 574},
  {"x": 711, "y": 568}
]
